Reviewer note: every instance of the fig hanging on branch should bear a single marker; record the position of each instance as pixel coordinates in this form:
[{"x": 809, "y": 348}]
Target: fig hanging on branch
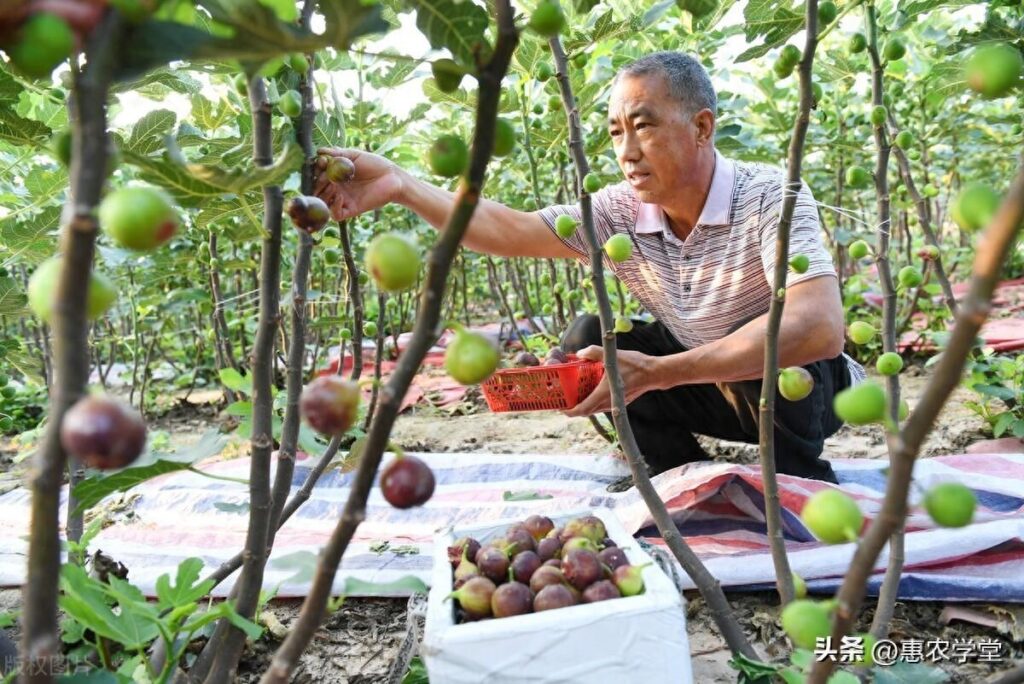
[
  {"x": 103, "y": 433},
  {"x": 309, "y": 214}
]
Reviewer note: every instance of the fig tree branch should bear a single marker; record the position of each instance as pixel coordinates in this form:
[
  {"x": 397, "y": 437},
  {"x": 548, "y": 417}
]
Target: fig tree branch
[
  {"x": 41, "y": 645},
  {"x": 769, "y": 378},
  {"x": 993, "y": 246},
  {"x": 705, "y": 581},
  {"x": 425, "y": 332},
  {"x": 888, "y": 591},
  {"x": 225, "y": 646}
]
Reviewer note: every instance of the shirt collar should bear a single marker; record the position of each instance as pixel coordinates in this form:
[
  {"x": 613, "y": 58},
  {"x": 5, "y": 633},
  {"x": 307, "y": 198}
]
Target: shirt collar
[{"x": 651, "y": 219}]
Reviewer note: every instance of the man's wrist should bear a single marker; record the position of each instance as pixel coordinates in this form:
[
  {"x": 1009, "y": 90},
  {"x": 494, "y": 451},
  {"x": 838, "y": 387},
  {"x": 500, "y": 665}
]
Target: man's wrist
[{"x": 669, "y": 371}]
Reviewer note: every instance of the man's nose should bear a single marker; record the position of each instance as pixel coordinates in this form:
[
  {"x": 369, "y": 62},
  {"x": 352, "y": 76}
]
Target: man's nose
[{"x": 629, "y": 148}]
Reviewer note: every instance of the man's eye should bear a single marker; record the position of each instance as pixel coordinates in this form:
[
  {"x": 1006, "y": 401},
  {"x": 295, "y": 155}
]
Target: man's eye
[{"x": 614, "y": 133}]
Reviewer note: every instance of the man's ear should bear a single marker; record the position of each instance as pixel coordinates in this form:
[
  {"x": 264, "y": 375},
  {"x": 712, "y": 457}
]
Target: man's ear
[{"x": 705, "y": 122}]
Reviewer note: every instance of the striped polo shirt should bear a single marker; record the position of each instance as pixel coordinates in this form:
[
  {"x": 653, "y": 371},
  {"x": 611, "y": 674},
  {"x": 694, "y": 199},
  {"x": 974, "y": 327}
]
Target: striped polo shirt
[{"x": 710, "y": 284}]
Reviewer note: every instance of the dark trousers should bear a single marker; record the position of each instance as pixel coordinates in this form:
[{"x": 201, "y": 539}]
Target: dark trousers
[{"x": 665, "y": 421}]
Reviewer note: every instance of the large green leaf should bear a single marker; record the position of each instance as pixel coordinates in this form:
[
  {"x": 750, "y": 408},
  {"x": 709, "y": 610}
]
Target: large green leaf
[
  {"x": 28, "y": 238},
  {"x": 147, "y": 133},
  {"x": 12, "y": 299},
  {"x": 18, "y": 130},
  {"x": 86, "y": 599},
  {"x": 775, "y": 22},
  {"x": 457, "y": 26},
  {"x": 14, "y": 355},
  {"x": 186, "y": 588}
]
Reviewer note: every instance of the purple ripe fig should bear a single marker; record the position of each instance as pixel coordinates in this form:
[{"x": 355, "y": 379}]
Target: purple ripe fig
[
  {"x": 475, "y": 597},
  {"x": 538, "y": 526},
  {"x": 581, "y": 568},
  {"x": 552, "y": 362},
  {"x": 330, "y": 404},
  {"x": 588, "y": 526},
  {"x": 545, "y": 576},
  {"x": 406, "y": 482},
  {"x": 464, "y": 547},
  {"x": 511, "y": 599},
  {"x": 308, "y": 213},
  {"x": 577, "y": 543},
  {"x": 557, "y": 353},
  {"x": 613, "y": 557},
  {"x": 103, "y": 433},
  {"x": 525, "y": 359},
  {"x": 553, "y": 562},
  {"x": 340, "y": 169},
  {"x": 493, "y": 564},
  {"x": 548, "y": 548},
  {"x": 554, "y": 596},
  {"x": 524, "y": 564},
  {"x": 600, "y": 591},
  {"x": 521, "y": 538},
  {"x": 629, "y": 579},
  {"x": 607, "y": 543}
]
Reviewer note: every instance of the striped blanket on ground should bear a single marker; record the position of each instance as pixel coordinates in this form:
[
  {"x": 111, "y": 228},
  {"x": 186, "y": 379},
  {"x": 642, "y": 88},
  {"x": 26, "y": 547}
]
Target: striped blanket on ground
[{"x": 717, "y": 507}]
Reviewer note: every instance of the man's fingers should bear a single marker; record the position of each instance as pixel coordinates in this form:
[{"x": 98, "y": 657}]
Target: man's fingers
[
  {"x": 591, "y": 353},
  {"x": 593, "y": 403}
]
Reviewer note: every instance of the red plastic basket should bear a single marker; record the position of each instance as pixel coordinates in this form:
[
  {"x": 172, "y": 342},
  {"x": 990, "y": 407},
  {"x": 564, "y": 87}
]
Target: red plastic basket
[{"x": 542, "y": 388}]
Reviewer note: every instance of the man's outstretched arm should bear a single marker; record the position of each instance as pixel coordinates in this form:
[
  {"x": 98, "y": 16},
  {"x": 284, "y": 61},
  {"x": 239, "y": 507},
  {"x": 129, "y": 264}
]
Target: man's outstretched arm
[{"x": 494, "y": 229}]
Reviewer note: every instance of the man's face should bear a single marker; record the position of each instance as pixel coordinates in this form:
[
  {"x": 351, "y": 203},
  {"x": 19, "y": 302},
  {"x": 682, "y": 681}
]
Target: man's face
[{"x": 654, "y": 142}]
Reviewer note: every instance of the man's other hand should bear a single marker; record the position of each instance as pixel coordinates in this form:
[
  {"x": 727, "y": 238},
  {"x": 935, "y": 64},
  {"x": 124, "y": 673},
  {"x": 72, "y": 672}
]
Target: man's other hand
[
  {"x": 376, "y": 182},
  {"x": 638, "y": 376}
]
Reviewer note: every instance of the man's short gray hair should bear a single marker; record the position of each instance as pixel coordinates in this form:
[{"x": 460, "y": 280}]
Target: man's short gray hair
[{"x": 688, "y": 81}]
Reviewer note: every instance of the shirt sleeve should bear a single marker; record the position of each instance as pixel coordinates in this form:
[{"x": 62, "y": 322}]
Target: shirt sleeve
[
  {"x": 603, "y": 225},
  {"x": 804, "y": 234}
]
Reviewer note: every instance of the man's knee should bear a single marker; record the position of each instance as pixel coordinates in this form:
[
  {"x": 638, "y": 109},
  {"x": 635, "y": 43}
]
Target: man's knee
[{"x": 584, "y": 331}]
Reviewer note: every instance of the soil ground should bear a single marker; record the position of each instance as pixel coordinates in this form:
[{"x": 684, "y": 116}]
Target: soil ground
[{"x": 359, "y": 643}]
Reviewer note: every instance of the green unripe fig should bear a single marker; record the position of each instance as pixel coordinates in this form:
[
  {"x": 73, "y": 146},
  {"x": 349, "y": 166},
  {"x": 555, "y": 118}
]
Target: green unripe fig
[
  {"x": 447, "y": 74},
  {"x": 565, "y": 226},
  {"x": 290, "y": 104},
  {"x": 930, "y": 190},
  {"x": 975, "y": 206},
  {"x": 903, "y": 140},
  {"x": 42, "y": 291},
  {"x": 858, "y": 249},
  {"x": 878, "y": 115},
  {"x": 345, "y": 333},
  {"x": 8, "y": 392},
  {"x": 861, "y": 332},
  {"x": 393, "y": 261},
  {"x": 795, "y": 383},
  {"x": 804, "y": 622},
  {"x": 547, "y": 19},
  {"x": 4, "y": 379},
  {"x": 545, "y": 279},
  {"x": 861, "y": 404},
  {"x": 369, "y": 329},
  {"x": 363, "y": 278},
  {"x": 623, "y": 324},
  {"x": 44, "y": 41},
  {"x": 241, "y": 83},
  {"x": 790, "y": 54},
  {"x": 857, "y": 177},
  {"x": 832, "y": 516},
  {"x": 448, "y": 156},
  {"x": 470, "y": 358},
  {"x": 544, "y": 73},
  {"x": 894, "y": 49},
  {"x": 618, "y": 247},
  {"x": 799, "y": 586},
  {"x": 298, "y": 62},
  {"x": 580, "y": 60},
  {"x": 782, "y": 69},
  {"x": 950, "y": 504},
  {"x": 799, "y": 263},
  {"x": 340, "y": 170},
  {"x": 909, "y": 276},
  {"x": 504, "y": 138},
  {"x": 139, "y": 217},
  {"x": 60, "y": 144},
  {"x": 827, "y": 13},
  {"x": 331, "y": 256},
  {"x": 6, "y": 424},
  {"x": 816, "y": 92},
  {"x": 858, "y": 43},
  {"x": 889, "y": 363},
  {"x": 994, "y": 70},
  {"x": 592, "y": 183}
]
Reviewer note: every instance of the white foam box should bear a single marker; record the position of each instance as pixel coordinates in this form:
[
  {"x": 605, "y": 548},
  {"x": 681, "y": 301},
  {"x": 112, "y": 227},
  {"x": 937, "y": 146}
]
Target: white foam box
[{"x": 631, "y": 639}]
